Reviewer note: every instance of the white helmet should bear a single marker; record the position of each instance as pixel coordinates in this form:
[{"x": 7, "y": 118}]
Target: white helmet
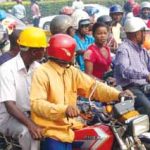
[
  {"x": 134, "y": 24},
  {"x": 145, "y": 5},
  {"x": 78, "y": 15}
]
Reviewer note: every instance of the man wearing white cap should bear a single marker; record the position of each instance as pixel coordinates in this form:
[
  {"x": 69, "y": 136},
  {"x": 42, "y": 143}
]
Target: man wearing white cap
[{"x": 132, "y": 64}]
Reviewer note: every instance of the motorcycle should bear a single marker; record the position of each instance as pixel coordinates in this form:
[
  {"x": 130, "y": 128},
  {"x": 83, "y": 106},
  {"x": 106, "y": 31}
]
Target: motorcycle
[{"x": 115, "y": 127}]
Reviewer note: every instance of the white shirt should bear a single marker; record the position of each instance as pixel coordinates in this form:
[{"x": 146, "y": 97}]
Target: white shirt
[
  {"x": 15, "y": 83},
  {"x": 78, "y": 5},
  {"x": 19, "y": 11}
]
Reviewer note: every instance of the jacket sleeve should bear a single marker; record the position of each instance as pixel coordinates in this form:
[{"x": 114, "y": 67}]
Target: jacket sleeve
[
  {"x": 39, "y": 98},
  {"x": 101, "y": 91},
  {"x": 122, "y": 65}
]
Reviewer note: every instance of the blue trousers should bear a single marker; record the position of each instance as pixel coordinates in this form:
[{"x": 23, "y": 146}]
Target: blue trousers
[
  {"x": 142, "y": 102},
  {"x": 51, "y": 144},
  {"x": 36, "y": 22}
]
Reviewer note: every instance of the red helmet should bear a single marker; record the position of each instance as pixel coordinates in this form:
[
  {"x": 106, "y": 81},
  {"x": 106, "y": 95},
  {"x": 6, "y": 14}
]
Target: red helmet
[
  {"x": 67, "y": 10},
  {"x": 136, "y": 9},
  {"x": 61, "y": 47}
]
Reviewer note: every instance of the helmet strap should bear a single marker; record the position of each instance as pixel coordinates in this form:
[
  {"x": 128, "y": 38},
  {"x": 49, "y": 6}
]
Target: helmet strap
[
  {"x": 60, "y": 61},
  {"x": 24, "y": 49}
]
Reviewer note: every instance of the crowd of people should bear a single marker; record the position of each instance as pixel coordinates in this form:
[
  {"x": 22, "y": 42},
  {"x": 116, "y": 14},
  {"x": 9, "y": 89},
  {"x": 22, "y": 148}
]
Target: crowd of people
[
  {"x": 19, "y": 11},
  {"x": 38, "y": 100}
]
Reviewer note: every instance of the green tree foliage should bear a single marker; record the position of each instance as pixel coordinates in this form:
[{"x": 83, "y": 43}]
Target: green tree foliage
[{"x": 50, "y": 7}]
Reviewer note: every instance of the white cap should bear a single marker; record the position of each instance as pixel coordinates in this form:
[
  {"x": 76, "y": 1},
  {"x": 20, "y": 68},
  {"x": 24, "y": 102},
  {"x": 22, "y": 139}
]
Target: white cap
[
  {"x": 145, "y": 5},
  {"x": 134, "y": 24},
  {"x": 77, "y": 16}
]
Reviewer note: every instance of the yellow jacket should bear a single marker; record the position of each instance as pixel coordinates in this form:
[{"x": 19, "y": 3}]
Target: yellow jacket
[{"x": 53, "y": 88}]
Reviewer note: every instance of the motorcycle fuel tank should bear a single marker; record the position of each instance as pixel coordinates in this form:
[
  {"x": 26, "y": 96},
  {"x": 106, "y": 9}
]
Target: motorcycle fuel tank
[{"x": 96, "y": 137}]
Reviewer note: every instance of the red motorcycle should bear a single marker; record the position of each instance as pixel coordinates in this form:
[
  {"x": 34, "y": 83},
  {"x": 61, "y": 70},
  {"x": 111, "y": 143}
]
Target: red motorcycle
[{"x": 119, "y": 128}]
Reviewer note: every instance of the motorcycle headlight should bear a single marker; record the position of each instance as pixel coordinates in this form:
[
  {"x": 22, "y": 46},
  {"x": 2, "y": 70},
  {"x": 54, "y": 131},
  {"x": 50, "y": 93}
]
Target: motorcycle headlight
[{"x": 140, "y": 125}]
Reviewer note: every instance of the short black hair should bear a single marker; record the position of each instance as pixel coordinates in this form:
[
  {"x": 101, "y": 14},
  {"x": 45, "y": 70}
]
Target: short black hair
[{"x": 97, "y": 25}]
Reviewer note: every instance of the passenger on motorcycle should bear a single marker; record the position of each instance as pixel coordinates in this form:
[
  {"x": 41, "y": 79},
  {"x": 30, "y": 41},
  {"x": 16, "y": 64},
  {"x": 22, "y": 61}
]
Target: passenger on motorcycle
[
  {"x": 15, "y": 78},
  {"x": 97, "y": 57},
  {"x": 83, "y": 40},
  {"x": 111, "y": 42},
  {"x": 54, "y": 90},
  {"x": 132, "y": 64}
]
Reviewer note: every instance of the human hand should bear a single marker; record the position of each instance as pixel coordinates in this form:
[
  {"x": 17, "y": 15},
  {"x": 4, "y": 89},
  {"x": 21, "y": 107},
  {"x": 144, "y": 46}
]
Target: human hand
[
  {"x": 72, "y": 111},
  {"x": 35, "y": 130},
  {"x": 126, "y": 93},
  {"x": 148, "y": 78},
  {"x": 111, "y": 81}
]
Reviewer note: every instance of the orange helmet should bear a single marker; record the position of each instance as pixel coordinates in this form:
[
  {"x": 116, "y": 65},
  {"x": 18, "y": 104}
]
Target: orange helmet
[
  {"x": 146, "y": 44},
  {"x": 61, "y": 47}
]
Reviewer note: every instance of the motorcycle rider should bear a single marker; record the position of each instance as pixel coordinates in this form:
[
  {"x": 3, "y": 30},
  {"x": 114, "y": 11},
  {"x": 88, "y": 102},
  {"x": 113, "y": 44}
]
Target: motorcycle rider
[
  {"x": 59, "y": 83},
  {"x": 15, "y": 77},
  {"x": 145, "y": 11},
  {"x": 60, "y": 24},
  {"x": 132, "y": 64},
  {"x": 116, "y": 13}
]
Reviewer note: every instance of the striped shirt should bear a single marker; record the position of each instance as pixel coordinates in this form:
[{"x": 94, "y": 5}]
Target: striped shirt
[{"x": 132, "y": 64}]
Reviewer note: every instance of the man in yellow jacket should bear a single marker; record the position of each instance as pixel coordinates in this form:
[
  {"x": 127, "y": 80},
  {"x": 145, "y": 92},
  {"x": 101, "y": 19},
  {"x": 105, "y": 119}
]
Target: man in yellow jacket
[{"x": 54, "y": 90}]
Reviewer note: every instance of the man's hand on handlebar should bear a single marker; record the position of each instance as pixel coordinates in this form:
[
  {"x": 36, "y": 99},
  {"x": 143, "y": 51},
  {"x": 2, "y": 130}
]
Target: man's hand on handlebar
[
  {"x": 126, "y": 93},
  {"x": 72, "y": 111}
]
